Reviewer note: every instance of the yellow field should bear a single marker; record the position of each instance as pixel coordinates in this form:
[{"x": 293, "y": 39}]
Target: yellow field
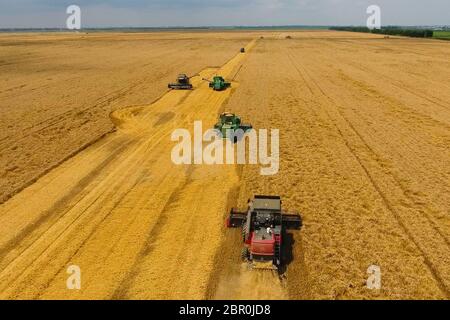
[
  {"x": 57, "y": 90},
  {"x": 365, "y": 146}
]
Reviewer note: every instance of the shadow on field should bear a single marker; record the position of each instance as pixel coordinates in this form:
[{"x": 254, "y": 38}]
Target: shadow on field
[{"x": 287, "y": 255}]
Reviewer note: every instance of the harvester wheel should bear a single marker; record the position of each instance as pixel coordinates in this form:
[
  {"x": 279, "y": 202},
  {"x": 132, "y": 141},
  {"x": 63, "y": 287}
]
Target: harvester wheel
[
  {"x": 244, "y": 254},
  {"x": 244, "y": 232}
]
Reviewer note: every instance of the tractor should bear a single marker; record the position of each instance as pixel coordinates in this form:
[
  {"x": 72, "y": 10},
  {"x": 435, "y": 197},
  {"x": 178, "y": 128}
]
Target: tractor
[
  {"x": 264, "y": 227},
  {"x": 229, "y": 124},
  {"x": 183, "y": 83},
  {"x": 218, "y": 83}
]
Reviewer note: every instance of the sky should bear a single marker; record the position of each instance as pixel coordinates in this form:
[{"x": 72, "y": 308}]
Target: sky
[{"x": 192, "y": 13}]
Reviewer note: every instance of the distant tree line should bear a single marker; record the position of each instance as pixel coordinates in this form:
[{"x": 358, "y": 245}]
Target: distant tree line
[{"x": 394, "y": 31}]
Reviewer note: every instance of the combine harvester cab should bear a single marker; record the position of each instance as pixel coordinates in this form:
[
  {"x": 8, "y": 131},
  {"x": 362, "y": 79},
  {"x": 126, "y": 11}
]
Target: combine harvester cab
[{"x": 263, "y": 229}]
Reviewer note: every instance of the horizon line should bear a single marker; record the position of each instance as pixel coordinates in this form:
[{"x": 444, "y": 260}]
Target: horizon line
[{"x": 214, "y": 27}]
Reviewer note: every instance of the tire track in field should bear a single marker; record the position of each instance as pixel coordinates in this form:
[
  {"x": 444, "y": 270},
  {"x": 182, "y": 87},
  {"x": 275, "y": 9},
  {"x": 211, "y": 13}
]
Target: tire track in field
[
  {"x": 111, "y": 191},
  {"x": 433, "y": 100},
  {"x": 54, "y": 213},
  {"x": 155, "y": 137},
  {"x": 440, "y": 280},
  {"x": 375, "y": 94},
  {"x": 61, "y": 117},
  {"x": 102, "y": 228},
  {"x": 375, "y": 155}
]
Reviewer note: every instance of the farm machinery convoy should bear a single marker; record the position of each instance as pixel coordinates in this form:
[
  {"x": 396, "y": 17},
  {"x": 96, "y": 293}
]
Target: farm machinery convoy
[
  {"x": 264, "y": 224},
  {"x": 218, "y": 83}
]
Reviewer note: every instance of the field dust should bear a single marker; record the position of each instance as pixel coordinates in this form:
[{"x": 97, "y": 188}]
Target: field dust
[
  {"x": 251, "y": 284},
  {"x": 364, "y": 149}
]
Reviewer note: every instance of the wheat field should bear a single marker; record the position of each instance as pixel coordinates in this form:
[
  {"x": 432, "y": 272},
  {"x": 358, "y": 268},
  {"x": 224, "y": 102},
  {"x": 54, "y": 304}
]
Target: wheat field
[{"x": 87, "y": 177}]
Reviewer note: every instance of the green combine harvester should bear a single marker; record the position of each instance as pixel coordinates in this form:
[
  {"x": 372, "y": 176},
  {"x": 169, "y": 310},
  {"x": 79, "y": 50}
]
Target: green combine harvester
[
  {"x": 218, "y": 83},
  {"x": 229, "y": 123}
]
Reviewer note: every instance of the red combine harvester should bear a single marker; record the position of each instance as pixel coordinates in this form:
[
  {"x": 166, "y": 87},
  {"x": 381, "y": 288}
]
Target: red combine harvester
[{"x": 263, "y": 228}]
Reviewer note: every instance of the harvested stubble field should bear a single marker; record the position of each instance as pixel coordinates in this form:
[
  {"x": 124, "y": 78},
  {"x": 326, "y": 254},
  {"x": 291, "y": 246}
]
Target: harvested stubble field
[
  {"x": 365, "y": 146},
  {"x": 57, "y": 90}
]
